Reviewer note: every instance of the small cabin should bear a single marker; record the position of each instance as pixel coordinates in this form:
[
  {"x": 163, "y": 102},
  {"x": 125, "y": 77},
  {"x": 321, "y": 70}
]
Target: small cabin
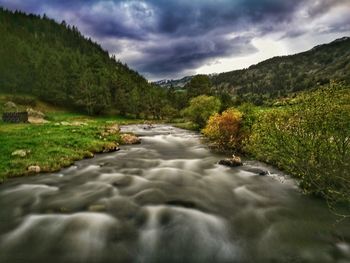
[{"x": 15, "y": 117}]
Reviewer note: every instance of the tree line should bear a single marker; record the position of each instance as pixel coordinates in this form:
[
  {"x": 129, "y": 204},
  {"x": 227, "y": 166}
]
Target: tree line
[
  {"x": 57, "y": 64},
  {"x": 281, "y": 76}
]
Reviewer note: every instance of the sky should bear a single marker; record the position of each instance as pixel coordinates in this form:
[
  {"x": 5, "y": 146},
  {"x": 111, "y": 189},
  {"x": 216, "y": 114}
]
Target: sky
[{"x": 169, "y": 39}]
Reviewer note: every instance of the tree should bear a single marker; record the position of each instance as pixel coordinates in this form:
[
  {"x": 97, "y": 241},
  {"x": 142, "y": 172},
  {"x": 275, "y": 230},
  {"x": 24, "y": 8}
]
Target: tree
[
  {"x": 226, "y": 100},
  {"x": 168, "y": 111},
  {"x": 59, "y": 65},
  {"x": 199, "y": 85},
  {"x": 201, "y": 108},
  {"x": 91, "y": 97}
]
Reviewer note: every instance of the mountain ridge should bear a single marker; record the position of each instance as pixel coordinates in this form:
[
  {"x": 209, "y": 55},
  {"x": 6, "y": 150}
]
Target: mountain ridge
[{"x": 227, "y": 81}]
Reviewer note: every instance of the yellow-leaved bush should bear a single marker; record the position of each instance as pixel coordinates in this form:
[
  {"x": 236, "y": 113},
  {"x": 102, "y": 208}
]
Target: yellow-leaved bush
[{"x": 224, "y": 129}]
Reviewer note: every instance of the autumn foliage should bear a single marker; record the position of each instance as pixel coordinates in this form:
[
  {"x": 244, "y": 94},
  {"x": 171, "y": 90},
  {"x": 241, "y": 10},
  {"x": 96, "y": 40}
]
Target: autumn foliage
[{"x": 224, "y": 128}]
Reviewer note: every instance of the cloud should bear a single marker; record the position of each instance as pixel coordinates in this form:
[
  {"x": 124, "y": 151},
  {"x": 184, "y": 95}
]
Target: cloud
[
  {"x": 320, "y": 7},
  {"x": 128, "y": 19},
  {"x": 172, "y": 37},
  {"x": 179, "y": 56}
]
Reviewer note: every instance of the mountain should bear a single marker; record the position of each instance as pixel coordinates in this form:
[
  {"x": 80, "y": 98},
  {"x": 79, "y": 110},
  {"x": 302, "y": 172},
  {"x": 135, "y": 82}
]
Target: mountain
[
  {"x": 57, "y": 64},
  {"x": 178, "y": 83},
  {"x": 281, "y": 75}
]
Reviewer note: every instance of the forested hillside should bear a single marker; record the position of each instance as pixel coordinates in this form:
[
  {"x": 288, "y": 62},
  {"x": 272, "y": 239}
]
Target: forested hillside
[
  {"x": 57, "y": 64},
  {"x": 279, "y": 76}
]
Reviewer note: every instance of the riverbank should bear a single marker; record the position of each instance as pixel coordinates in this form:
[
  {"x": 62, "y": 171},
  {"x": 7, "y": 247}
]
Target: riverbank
[
  {"x": 167, "y": 188},
  {"x": 31, "y": 148},
  {"x": 307, "y": 136}
]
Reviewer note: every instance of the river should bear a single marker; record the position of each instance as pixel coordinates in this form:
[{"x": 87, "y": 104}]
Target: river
[{"x": 166, "y": 200}]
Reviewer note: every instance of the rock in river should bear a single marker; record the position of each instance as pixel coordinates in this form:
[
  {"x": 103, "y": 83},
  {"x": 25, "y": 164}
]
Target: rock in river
[{"x": 231, "y": 162}]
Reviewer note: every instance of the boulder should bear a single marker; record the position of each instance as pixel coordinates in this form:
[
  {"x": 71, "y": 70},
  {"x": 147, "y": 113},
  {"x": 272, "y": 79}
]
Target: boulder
[
  {"x": 35, "y": 113},
  {"x": 35, "y": 117},
  {"x": 231, "y": 162},
  {"x": 10, "y": 106},
  {"x": 65, "y": 123},
  {"x": 34, "y": 120},
  {"x": 78, "y": 123},
  {"x": 21, "y": 153},
  {"x": 34, "y": 169},
  {"x": 148, "y": 126},
  {"x": 263, "y": 173},
  {"x": 130, "y": 139},
  {"x": 256, "y": 170},
  {"x": 110, "y": 147}
]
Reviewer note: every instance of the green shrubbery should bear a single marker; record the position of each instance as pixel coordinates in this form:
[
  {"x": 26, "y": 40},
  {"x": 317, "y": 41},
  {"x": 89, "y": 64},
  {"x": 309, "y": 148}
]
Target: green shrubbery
[
  {"x": 201, "y": 108},
  {"x": 309, "y": 139}
]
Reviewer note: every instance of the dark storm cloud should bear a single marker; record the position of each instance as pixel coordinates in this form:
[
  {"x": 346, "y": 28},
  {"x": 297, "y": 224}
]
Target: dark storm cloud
[
  {"x": 188, "y": 53},
  {"x": 197, "y": 17},
  {"x": 179, "y": 36}
]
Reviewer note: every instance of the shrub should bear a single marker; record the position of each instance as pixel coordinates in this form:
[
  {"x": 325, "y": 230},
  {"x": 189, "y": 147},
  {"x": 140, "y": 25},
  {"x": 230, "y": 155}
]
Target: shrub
[
  {"x": 224, "y": 129},
  {"x": 250, "y": 115},
  {"x": 310, "y": 140},
  {"x": 201, "y": 108},
  {"x": 168, "y": 112}
]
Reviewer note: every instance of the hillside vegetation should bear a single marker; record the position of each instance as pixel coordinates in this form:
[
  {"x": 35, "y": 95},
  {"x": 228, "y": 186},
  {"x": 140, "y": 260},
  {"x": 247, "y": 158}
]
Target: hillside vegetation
[
  {"x": 307, "y": 136},
  {"x": 57, "y": 64},
  {"x": 280, "y": 76},
  {"x": 309, "y": 139}
]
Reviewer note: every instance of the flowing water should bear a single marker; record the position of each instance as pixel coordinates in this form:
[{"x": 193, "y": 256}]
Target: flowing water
[{"x": 165, "y": 200}]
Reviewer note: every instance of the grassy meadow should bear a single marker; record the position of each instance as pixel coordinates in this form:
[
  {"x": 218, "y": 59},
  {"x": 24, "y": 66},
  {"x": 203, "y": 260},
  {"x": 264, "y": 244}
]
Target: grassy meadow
[{"x": 66, "y": 138}]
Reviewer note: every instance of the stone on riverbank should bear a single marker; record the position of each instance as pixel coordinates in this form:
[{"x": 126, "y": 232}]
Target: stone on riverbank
[
  {"x": 20, "y": 153},
  {"x": 110, "y": 147},
  {"x": 10, "y": 106},
  {"x": 130, "y": 139},
  {"x": 34, "y": 169},
  {"x": 36, "y": 117},
  {"x": 74, "y": 123}
]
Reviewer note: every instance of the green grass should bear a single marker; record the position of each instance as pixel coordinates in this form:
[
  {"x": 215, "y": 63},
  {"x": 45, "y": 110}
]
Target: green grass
[
  {"x": 71, "y": 116},
  {"x": 55, "y": 144},
  {"x": 52, "y": 145}
]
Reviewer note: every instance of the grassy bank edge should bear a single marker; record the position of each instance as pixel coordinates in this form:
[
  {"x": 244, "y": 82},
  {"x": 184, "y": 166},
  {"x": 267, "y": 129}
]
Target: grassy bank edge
[{"x": 66, "y": 139}]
